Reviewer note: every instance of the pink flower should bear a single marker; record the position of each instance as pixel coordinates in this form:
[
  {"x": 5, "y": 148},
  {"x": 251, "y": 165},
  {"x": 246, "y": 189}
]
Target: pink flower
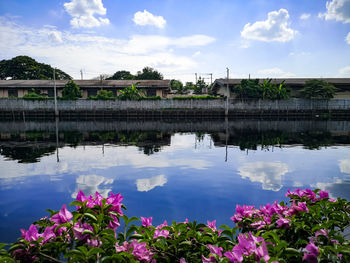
[
  {"x": 161, "y": 233},
  {"x": 116, "y": 201},
  {"x": 140, "y": 251},
  {"x": 146, "y": 222},
  {"x": 165, "y": 223},
  {"x": 234, "y": 256},
  {"x": 262, "y": 252},
  {"x": 124, "y": 247},
  {"x": 323, "y": 194},
  {"x": 283, "y": 222},
  {"x": 32, "y": 234},
  {"x": 63, "y": 216},
  {"x": 208, "y": 260},
  {"x": 94, "y": 242},
  {"x": 216, "y": 250},
  {"x": 115, "y": 223},
  {"x": 211, "y": 225},
  {"x": 79, "y": 228},
  {"x": 322, "y": 232},
  {"x": 311, "y": 253},
  {"x": 182, "y": 260}
]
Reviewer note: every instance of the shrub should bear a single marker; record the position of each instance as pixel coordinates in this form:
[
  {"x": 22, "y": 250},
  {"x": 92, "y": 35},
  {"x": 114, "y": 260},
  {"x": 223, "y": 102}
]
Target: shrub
[
  {"x": 130, "y": 93},
  {"x": 317, "y": 89},
  {"x": 103, "y": 95},
  {"x": 307, "y": 228},
  {"x": 203, "y": 97},
  {"x": 33, "y": 95},
  {"x": 71, "y": 91}
]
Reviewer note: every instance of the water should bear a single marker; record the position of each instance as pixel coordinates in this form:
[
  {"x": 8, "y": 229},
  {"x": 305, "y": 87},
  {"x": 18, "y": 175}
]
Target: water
[{"x": 168, "y": 170}]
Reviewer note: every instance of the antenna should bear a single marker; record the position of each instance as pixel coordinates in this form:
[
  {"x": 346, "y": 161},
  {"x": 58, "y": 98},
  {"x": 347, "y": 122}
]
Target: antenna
[{"x": 81, "y": 74}]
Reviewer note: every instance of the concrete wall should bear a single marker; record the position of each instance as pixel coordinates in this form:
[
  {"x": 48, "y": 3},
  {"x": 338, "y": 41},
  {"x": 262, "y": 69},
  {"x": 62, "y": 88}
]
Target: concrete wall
[{"x": 154, "y": 105}]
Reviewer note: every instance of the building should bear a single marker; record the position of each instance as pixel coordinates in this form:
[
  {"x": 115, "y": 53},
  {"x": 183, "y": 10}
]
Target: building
[
  {"x": 293, "y": 84},
  {"x": 18, "y": 88}
]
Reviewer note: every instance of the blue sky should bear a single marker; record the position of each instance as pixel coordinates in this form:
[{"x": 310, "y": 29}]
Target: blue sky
[{"x": 264, "y": 38}]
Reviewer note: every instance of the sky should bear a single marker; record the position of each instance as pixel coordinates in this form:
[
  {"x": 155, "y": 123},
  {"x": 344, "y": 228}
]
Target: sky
[{"x": 263, "y": 38}]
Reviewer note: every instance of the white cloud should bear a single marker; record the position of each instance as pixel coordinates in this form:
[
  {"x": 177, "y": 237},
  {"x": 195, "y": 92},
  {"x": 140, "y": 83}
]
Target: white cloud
[
  {"x": 146, "y": 18},
  {"x": 83, "y": 13},
  {"x": 275, "y": 28},
  {"x": 196, "y": 54},
  {"x": 347, "y": 39},
  {"x": 343, "y": 72},
  {"x": 338, "y": 10},
  {"x": 344, "y": 165},
  {"x": 68, "y": 50},
  {"x": 274, "y": 73},
  {"x": 305, "y": 16},
  {"x": 268, "y": 173},
  {"x": 147, "y": 184},
  {"x": 90, "y": 184}
]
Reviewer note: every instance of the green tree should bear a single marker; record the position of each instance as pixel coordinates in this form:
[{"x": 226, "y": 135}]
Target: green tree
[
  {"x": 121, "y": 75},
  {"x": 130, "y": 93},
  {"x": 248, "y": 89},
  {"x": 200, "y": 85},
  {"x": 273, "y": 91},
  {"x": 317, "y": 89},
  {"x": 149, "y": 73},
  {"x": 71, "y": 91},
  {"x": 103, "y": 95},
  {"x": 24, "y": 67},
  {"x": 178, "y": 87}
]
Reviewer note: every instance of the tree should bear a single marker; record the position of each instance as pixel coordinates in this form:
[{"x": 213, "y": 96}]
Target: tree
[
  {"x": 121, "y": 75},
  {"x": 130, "y": 93},
  {"x": 317, "y": 89},
  {"x": 71, "y": 91},
  {"x": 149, "y": 73},
  {"x": 24, "y": 67},
  {"x": 273, "y": 91},
  {"x": 248, "y": 89},
  {"x": 178, "y": 87},
  {"x": 200, "y": 85}
]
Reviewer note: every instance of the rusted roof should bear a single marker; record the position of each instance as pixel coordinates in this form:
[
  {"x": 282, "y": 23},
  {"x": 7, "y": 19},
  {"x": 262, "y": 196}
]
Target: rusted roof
[
  {"x": 289, "y": 81},
  {"x": 162, "y": 84}
]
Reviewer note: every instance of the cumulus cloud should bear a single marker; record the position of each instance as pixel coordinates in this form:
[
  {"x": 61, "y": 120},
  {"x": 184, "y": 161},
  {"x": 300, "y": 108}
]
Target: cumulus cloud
[
  {"x": 305, "y": 16},
  {"x": 90, "y": 184},
  {"x": 347, "y": 39},
  {"x": 274, "y": 73},
  {"x": 147, "y": 184},
  {"x": 268, "y": 173},
  {"x": 146, "y": 18},
  {"x": 275, "y": 28},
  {"x": 68, "y": 50},
  {"x": 343, "y": 72},
  {"x": 338, "y": 10},
  {"x": 84, "y": 11}
]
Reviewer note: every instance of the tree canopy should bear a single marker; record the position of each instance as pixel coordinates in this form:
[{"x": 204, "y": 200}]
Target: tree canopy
[
  {"x": 149, "y": 73},
  {"x": 121, "y": 75},
  {"x": 71, "y": 91},
  {"x": 24, "y": 67},
  {"x": 320, "y": 89}
]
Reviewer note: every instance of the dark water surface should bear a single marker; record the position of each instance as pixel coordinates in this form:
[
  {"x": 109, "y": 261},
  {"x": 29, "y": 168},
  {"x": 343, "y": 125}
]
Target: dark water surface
[{"x": 168, "y": 170}]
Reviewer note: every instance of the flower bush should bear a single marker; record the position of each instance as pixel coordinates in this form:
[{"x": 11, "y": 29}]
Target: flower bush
[{"x": 308, "y": 228}]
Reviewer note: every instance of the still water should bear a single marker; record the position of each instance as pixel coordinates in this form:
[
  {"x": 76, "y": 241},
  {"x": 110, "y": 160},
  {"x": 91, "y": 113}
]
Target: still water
[{"x": 168, "y": 170}]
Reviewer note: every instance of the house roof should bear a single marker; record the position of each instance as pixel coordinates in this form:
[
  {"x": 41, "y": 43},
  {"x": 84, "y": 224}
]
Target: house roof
[
  {"x": 290, "y": 81},
  {"x": 160, "y": 84}
]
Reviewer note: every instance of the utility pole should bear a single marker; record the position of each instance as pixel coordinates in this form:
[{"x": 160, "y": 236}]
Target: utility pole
[
  {"x": 54, "y": 91},
  {"x": 227, "y": 92},
  {"x": 81, "y": 74},
  {"x": 211, "y": 78},
  {"x": 196, "y": 77}
]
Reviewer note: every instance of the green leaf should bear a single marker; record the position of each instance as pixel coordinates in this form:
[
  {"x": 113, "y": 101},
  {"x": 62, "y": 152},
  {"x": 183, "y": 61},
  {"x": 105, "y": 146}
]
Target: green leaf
[
  {"x": 77, "y": 203},
  {"x": 88, "y": 232},
  {"x": 90, "y": 216}
]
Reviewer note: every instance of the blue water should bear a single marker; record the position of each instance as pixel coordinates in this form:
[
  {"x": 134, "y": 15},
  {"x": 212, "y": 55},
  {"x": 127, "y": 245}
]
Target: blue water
[{"x": 188, "y": 177}]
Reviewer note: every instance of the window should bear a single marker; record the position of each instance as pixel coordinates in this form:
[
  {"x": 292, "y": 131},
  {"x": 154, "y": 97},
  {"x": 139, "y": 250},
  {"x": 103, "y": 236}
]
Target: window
[
  {"x": 151, "y": 92},
  {"x": 92, "y": 92},
  {"x": 12, "y": 93}
]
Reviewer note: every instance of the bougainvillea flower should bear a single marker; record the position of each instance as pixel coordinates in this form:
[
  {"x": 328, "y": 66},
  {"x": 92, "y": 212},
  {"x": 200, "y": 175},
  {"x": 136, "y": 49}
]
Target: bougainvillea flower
[
  {"x": 311, "y": 253},
  {"x": 78, "y": 230},
  {"x": 262, "y": 252},
  {"x": 146, "y": 222},
  {"x": 114, "y": 224},
  {"x": 212, "y": 225},
  {"x": 161, "y": 233},
  {"x": 94, "y": 242},
  {"x": 323, "y": 194},
  {"x": 216, "y": 250},
  {"x": 283, "y": 222},
  {"x": 140, "y": 251},
  {"x": 322, "y": 232},
  {"x": 208, "y": 260},
  {"x": 116, "y": 201},
  {"x": 165, "y": 223},
  {"x": 234, "y": 256},
  {"x": 182, "y": 260},
  {"x": 63, "y": 216},
  {"x": 32, "y": 234}
]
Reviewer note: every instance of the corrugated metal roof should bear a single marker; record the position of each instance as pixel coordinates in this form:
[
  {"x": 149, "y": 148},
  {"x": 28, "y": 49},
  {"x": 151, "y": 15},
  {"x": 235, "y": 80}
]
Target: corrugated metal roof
[
  {"x": 86, "y": 83},
  {"x": 289, "y": 81}
]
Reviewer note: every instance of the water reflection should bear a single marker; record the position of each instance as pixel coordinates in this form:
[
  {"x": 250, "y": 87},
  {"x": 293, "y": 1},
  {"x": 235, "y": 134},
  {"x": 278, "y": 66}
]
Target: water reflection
[{"x": 168, "y": 170}]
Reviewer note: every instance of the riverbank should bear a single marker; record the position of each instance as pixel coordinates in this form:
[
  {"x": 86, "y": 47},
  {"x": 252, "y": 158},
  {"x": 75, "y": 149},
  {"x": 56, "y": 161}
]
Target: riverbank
[{"x": 211, "y": 108}]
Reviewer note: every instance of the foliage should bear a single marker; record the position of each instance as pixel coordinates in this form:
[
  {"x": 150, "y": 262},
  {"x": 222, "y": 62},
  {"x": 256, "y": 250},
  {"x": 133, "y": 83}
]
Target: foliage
[
  {"x": 307, "y": 228},
  {"x": 71, "y": 91},
  {"x": 131, "y": 93},
  {"x": 190, "y": 86},
  {"x": 33, "y": 95},
  {"x": 121, "y": 75},
  {"x": 24, "y": 67},
  {"x": 200, "y": 85},
  {"x": 203, "y": 97},
  {"x": 149, "y": 73},
  {"x": 253, "y": 89},
  {"x": 103, "y": 95},
  {"x": 317, "y": 89},
  {"x": 178, "y": 87},
  {"x": 151, "y": 98}
]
